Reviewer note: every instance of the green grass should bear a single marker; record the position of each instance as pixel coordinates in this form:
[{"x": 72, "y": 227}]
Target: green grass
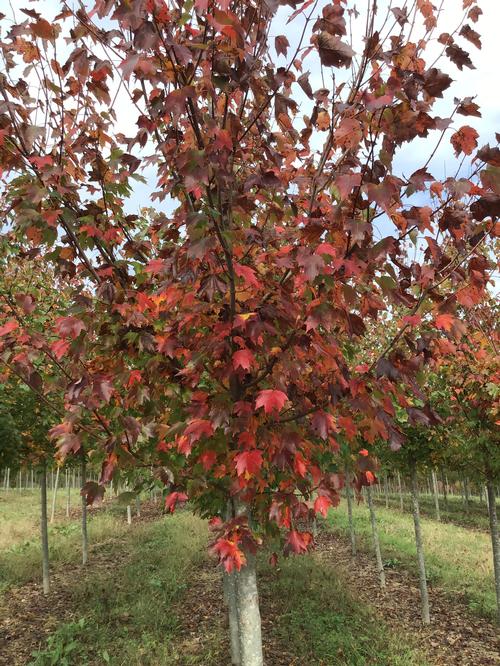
[
  {"x": 321, "y": 622},
  {"x": 127, "y": 609},
  {"x": 476, "y": 516},
  {"x": 458, "y": 560},
  {"x": 20, "y": 550}
]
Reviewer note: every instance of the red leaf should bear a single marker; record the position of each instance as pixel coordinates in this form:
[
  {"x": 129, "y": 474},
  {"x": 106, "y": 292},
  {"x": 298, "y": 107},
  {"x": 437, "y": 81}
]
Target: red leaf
[
  {"x": 465, "y": 140},
  {"x": 445, "y": 321},
  {"x": 271, "y": 399},
  {"x": 8, "y": 327},
  {"x": 322, "y": 504},
  {"x": 198, "y": 428},
  {"x": 208, "y": 459},
  {"x": 247, "y": 273},
  {"x": 298, "y": 542},
  {"x": 248, "y": 462},
  {"x": 299, "y": 465},
  {"x": 243, "y": 359},
  {"x": 60, "y": 348},
  {"x": 135, "y": 377},
  {"x": 69, "y": 327},
  {"x": 230, "y": 556},
  {"x": 173, "y": 499}
]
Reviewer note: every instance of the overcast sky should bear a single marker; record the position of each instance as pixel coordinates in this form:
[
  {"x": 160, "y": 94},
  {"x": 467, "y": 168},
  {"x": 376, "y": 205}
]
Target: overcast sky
[{"x": 482, "y": 82}]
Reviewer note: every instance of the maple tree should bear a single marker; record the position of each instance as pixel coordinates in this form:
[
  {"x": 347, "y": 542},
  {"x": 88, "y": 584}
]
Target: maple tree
[{"x": 210, "y": 335}]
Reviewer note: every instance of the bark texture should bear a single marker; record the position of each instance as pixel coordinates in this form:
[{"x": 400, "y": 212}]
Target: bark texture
[
  {"x": 436, "y": 495},
  {"x": 376, "y": 542},
  {"x": 230, "y": 594},
  {"x": 249, "y": 615},
  {"x": 424, "y": 595},
  {"x": 495, "y": 545},
  {"x": 44, "y": 530}
]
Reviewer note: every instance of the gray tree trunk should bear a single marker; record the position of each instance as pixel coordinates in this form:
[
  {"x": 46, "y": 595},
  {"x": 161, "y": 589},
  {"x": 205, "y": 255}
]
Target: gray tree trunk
[
  {"x": 400, "y": 491},
  {"x": 436, "y": 495},
  {"x": 348, "y": 491},
  {"x": 386, "y": 492},
  {"x": 376, "y": 542},
  {"x": 138, "y": 506},
  {"x": 445, "y": 490},
  {"x": 229, "y": 582},
  {"x": 85, "y": 538},
  {"x": 68, "y": 494},
  {"x": 495, "y": 545},
  {"x": 44, "y": 530},
  {"x": 129, "y": 514},
  {"x": 249, "y": 614},
  {"x": 54, "y": 496},
  {"x": 424, "y": 595},
  {"x": 247, "y": 600}
]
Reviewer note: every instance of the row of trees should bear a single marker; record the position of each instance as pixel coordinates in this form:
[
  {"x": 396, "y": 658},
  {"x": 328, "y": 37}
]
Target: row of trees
[{"x": 226, "y": 344}]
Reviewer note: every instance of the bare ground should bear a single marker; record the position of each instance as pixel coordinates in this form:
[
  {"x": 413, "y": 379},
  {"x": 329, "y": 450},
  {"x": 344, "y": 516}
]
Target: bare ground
[{"x": 455, "y": 638}]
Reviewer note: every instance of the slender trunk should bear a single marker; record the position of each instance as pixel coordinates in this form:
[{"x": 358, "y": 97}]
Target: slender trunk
[
  {"x": 85, "y": 538},
  {"x": 32, "y": 480},
  {"x": 68, "y": 494},
  {"x": 138, "y": 506},
  {"x": 424, "y": 595},
  {"x": 386, "y": 492},
  {"x": 249, "y": 614},
  {"x": 445, "y": 490},
  {"x": 129, "y": 514},
  {"x": 44, "y": 530},
  {"x": 436, "y": 495},
  {"x": 400, "y": 491},
  {"x": 229, "y": 582},
  {"x": 376, "y": 542},
  {"x": 8, "y": 479},
  {"x": 348, "y": 491},
  {"x": 495, "y": 545},
  {"x": 54, "y": 496}
]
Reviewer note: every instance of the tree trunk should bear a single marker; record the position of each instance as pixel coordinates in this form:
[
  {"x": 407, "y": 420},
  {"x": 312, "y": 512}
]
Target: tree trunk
[
  {"x": 54, "y": 496},
  {"x": 386, "y": 492},
  {"x": 249, "y": 614},
  {"x": 229, "y": 582},
  {"x": 495, "y": 545},
  {"x": 44, "y": 530},
  {"x": 129, "y": 514},
  {"x": 445, "y": 490},
  {"x": 138, "y": 506},
  {"x": 32, "y": 479},
  {"x": 85, "y": 538},
  {"x": 424, "y": 596},
  {"x": 436, "y": 495},
  {"x": 400, "y": 491},
  {"x": 348, "y": 491},
  {"x": 68, "y": 493},
  {"x": 376, "y": 542}
]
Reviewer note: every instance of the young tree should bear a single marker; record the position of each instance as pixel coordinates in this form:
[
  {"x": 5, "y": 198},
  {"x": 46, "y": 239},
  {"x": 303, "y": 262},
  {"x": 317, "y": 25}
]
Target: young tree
[{"x": 214, "y": 341}]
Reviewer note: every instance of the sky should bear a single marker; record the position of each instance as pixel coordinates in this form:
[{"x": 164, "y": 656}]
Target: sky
[{"x": 482, "y": 82}]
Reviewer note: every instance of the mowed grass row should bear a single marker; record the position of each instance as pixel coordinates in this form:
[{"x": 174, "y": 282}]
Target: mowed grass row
[
  {"x": 455, "y": 511},
  {"x": 131, "y": 610},
  {"x": 458, "y": 559}
]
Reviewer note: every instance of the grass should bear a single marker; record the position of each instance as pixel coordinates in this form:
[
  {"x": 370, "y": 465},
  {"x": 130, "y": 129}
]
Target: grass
[
  {"x": 20, "y": 550},
  {"x": 457, "y": 559},
  {"x": 321, "y": 622},
  {"x": 128, "y": 608},
  {"x": 476, "y": 516}
]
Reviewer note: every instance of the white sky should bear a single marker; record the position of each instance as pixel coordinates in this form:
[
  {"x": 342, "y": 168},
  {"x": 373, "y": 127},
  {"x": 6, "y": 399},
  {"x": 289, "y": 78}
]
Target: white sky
[{"x": 482, "y": 82}]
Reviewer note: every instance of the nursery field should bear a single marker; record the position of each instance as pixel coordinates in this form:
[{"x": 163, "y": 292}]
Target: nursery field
[{"x": 151, "y": 593}]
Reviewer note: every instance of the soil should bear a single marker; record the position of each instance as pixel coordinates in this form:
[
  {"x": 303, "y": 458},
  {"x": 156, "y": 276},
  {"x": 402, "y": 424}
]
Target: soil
[{"x": 455, "y": 638}]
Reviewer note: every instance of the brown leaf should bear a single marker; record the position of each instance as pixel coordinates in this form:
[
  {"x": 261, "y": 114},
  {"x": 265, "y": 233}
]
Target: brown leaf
[
  {"x": 465, "y": 140},
  {"x": 281, "y": 45},
  {"x": 436, "y": 81},
  {"x": 459, "y": 57},
  {"x": 470, "y": 34},
  {"x": 333, "y": 52}
]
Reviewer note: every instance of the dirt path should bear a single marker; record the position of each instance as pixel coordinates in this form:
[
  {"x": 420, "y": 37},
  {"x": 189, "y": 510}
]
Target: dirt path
[{"x": 456, "y": 636}]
